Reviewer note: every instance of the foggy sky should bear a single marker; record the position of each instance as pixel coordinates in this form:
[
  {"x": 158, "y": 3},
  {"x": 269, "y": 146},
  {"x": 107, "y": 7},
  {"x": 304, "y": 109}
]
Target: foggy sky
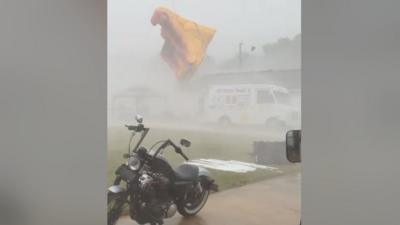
[{"x": 134, "y": 44}]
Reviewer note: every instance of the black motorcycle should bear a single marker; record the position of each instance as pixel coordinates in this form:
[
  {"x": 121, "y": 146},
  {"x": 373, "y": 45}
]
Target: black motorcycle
[{"x": 153, "y": 190}]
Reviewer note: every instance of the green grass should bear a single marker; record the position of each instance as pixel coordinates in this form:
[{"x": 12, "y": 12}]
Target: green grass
[{"x": 216, "y": 145}]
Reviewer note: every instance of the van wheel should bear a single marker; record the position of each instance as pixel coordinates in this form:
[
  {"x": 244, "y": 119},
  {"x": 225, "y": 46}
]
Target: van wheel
[
  {"x": 276, "y": 125},
  {"x": 224, "y": 121}
]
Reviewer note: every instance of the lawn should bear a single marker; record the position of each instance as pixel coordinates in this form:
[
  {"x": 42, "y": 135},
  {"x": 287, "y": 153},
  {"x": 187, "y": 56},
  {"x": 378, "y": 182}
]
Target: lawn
[{"x": 205, "y": 144}]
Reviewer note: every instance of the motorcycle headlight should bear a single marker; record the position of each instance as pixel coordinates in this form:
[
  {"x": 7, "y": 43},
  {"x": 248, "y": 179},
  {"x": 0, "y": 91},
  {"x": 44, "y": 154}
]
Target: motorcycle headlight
[{"x": 134, "y": 163}]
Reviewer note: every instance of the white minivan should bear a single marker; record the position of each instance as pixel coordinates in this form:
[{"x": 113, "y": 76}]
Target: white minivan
[{"x": 252, "y": 104}]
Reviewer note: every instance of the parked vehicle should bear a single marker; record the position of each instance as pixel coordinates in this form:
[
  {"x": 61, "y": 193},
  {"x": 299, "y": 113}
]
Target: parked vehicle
[
  {"x": 293, "y": 147},
  {"x": 252, "y": 104},
  {"x": 138, "y": 100},
  {"x": 152, "y": 189}
]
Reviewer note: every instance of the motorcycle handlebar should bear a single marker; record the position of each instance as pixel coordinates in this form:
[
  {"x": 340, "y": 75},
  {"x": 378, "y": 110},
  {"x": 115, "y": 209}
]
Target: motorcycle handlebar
[
  {"x": 184, "y": 156},
  {"x": 137, "y": 128},
  {"x": 130, "y": 127},
  {"x": 177, "y": 149}
]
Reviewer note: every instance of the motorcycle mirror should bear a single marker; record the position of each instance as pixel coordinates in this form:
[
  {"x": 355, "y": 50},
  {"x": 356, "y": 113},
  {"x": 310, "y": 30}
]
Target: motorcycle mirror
[
  {"x": 139, "y": 118},
  {"x": 185, "y": 143},
  {"x": 293, "y": 146}
]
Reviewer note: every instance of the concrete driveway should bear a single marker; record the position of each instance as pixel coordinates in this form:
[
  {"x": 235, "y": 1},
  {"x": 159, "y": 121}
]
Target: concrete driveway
[{"x": 272, "y": 202}]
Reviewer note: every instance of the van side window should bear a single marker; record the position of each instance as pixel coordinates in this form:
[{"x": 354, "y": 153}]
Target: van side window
[
  {"x": 282, "y": 98},
  {"x": 264, "y": 96},
  {"x": 230, "y": 100}
]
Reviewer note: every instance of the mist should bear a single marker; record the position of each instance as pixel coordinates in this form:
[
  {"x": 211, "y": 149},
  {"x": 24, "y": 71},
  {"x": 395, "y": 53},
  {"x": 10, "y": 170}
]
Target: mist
[
  {"x": 268, "y": 33},
  {"x": 232, "y": 110}
]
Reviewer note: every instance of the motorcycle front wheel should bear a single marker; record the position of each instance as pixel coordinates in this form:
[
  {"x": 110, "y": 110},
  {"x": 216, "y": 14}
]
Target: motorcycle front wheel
[
  {"x": 115, "y": 204},
  {"x": 193, "y": 203}
]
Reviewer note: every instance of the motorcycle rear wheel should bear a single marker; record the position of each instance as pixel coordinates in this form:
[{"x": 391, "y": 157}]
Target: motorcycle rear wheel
[
  {"x": 115, "y": 204},
  {"x": 190, "y": 208}
]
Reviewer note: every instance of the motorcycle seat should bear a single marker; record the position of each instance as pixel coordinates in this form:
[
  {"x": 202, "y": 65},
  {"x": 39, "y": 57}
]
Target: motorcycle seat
[{"x": 186, "y": 172}]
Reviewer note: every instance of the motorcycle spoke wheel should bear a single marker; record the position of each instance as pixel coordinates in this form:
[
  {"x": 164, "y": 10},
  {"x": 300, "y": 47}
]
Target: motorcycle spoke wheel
[
  {"x": 193, "y": 204},
  {"x": 114, "y": 208}
]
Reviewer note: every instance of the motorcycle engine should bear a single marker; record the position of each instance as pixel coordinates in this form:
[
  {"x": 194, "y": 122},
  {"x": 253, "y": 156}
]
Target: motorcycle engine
[{"x": 155, "y": 202}]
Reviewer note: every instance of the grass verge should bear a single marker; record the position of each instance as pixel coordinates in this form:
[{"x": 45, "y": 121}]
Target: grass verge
[{"x": 216, "y": 145}]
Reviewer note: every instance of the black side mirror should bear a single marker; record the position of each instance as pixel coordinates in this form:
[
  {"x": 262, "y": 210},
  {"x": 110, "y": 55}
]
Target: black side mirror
[
  {"x": 293, "y": 146},
  {"x": 185, "y": 143}
]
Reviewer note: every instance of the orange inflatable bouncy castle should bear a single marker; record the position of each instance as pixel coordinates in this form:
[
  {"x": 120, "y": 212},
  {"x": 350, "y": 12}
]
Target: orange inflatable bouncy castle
[{"x": 185, "y": 41}]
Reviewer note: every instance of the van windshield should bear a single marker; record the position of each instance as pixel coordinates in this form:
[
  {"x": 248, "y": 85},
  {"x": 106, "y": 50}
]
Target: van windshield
[{"x": 282, "y": 98}]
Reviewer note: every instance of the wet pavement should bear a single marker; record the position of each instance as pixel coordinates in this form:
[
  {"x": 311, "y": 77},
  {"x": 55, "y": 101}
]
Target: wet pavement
[{"x": 272, "y": 202}]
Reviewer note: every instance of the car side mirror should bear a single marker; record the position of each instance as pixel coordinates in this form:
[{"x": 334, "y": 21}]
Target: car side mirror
[
  {"x": 293, "y": 146},
  {"x": 185, "y": 143}
]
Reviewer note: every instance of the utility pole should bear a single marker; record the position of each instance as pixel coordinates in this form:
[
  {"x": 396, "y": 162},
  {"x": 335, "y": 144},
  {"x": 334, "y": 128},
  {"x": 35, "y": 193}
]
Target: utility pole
[{"x": 240, "y": 53}]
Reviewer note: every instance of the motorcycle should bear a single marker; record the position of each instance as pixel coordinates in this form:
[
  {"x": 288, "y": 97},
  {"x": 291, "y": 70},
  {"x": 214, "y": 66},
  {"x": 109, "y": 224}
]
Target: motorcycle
[{"x": 150, "y": 189}]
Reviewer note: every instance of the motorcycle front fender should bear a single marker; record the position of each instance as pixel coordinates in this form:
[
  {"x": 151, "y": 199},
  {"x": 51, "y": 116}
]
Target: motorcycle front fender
[{"x": 116, "y": 189}]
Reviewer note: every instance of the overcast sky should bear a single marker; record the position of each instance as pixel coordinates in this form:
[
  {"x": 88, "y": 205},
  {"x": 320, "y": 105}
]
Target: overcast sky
[{"x": 133, "y": 41}]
